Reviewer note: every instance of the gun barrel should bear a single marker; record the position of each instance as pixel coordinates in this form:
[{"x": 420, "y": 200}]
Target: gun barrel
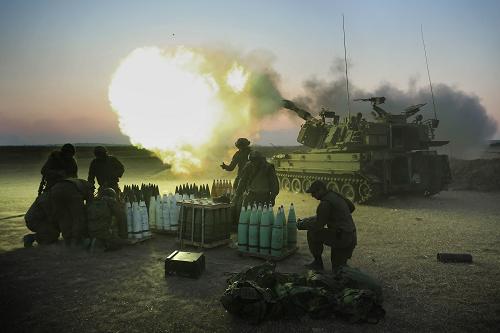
[{"x": 300, "y": 112}]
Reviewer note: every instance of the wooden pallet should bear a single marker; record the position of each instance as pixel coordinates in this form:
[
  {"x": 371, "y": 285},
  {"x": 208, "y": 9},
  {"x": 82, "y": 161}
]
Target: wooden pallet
[
  {"x": 165, "y": 232},
  {"x": 210, "y": 245},
  {"x": 269, "y": 257}
]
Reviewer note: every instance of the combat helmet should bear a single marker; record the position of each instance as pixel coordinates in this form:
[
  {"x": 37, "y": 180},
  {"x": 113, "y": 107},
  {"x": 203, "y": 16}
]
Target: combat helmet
[
  {"x": 255, "y": 156},
  {"x": 100, "y": 151},
  {"x": 242, "y": 143},
  {"x": 68, "y": 149}
]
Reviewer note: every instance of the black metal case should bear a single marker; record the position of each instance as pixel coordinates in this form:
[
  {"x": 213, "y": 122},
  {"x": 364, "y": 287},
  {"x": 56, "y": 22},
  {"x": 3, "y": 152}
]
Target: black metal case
[{"x": 188, "y": 264}]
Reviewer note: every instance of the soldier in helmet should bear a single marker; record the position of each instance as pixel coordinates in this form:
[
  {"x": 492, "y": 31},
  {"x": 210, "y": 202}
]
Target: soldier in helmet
[
  {"x": 106, "y": 168},
  {"x": 240, "y": 158},
  {"x": 105, "y": 220},
  {"x": 60, "y": 165},
  {"x": 334, "y": 212},
  {"x": 258, "y": 183},
  {"x": 67, "y": 201}
]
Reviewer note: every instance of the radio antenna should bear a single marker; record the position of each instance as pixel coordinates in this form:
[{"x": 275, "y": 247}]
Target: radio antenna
[
  {"x": 428, "y": 72},
  {"x": 346, "y": 76}
]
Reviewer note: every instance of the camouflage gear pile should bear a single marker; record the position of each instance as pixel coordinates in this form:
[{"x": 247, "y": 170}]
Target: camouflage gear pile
[{"x": 261, "y": 293}]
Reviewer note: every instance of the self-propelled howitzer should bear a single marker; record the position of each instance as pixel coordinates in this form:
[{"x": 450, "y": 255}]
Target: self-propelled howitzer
[{"x": 366, "y": 159}]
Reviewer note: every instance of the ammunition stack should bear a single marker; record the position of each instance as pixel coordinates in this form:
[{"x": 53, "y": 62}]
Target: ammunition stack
[
  {"x": 193, "y": 191},
  {"x": 137, "y": 206},
  {"x": 221, "y": 187},
  {"x": 263, "y": 234}
]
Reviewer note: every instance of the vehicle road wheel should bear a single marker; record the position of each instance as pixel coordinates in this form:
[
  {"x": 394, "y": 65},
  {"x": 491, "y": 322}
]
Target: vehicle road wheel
[
  {"x": 348, "y": 191},
  {"x": 365, "y": 192},
  {"x": 333, "y": 186},
  {"x": 305, "y": 184},
  {"x": 296, "y": 185},
  {"x": 285, "y": 184}
]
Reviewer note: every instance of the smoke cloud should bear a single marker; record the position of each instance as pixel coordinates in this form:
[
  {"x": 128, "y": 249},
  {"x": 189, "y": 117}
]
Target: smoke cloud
[{"x": 463, "y": 119}]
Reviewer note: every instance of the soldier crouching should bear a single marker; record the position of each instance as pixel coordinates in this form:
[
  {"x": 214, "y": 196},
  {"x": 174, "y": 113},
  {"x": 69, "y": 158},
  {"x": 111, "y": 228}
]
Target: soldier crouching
[
  {"x": 107, "y": 226},
  {"x": 67, "y": 200},
  {"x": 334, "y": 212},
  {"x": 38, "y": 220}
]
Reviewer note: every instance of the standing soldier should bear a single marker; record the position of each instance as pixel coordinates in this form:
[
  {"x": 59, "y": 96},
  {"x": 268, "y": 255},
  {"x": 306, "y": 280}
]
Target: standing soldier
[
  {"x": 334, "y": 211},
  {"x": 67, "y": 200},
  {"x": 60, "y": 165},
  {"x": 258, "y": 182},
  {"x": 106, "y": 220},
  {"x": 240, "y": 158},
  {"x": 106, "y": 168}
]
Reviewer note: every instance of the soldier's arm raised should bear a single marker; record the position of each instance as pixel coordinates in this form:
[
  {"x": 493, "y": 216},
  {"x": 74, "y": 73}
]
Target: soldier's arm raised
[{"x": 234, "y": 162}]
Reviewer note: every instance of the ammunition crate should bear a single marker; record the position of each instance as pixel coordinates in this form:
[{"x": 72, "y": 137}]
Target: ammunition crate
[
  {"x": 204, "y": 223},
  {"x": 188, "y": 264}
]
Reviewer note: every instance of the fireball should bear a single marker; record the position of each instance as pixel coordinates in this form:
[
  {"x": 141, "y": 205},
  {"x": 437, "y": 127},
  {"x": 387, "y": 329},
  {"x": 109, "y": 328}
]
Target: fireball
[{"x": 183, "y": 103}]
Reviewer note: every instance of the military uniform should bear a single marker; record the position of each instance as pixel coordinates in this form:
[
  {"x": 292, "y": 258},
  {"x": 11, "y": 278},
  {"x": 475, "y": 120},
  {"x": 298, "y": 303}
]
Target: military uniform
[
  {"x": 38, "y": 219},
  {"x": 106, "y": 221},
  {"x": 334, "y": 212},
  {"x": 57, "y": 167},
  {"x": 107, "y": 169},
  {"x": 258, "y": 184},
  {"x": 240, "y": 159},
  {"x": 68, "y": 209}
]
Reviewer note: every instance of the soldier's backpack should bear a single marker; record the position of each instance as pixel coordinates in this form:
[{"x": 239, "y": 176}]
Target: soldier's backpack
[
  {"x": 38, "y": 213},
  {"x": 116, "y": 166}
]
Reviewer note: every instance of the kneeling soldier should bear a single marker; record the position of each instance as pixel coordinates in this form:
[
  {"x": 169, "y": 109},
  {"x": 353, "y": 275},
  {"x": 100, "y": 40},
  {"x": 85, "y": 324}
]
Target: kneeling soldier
[
  {"x": 38, "y": 219},
  {"x": 334, "y": 211},
  {"x": 105, "y": 220}
]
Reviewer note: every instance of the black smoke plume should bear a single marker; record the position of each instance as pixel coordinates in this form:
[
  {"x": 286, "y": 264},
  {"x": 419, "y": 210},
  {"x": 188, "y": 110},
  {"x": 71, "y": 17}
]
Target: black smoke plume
[{"x": 463, "y": 119}]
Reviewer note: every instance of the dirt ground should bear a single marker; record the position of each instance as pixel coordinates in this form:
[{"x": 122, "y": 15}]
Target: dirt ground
[{"x": 51, "y": 289}]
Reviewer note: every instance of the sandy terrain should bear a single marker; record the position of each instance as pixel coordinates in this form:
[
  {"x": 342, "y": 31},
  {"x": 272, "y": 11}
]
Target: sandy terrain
[{"x": 50, "y": 289}]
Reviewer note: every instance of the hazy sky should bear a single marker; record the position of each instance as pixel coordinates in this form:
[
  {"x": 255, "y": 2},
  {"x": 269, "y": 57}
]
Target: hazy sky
[{"x": 57, "y": 57}]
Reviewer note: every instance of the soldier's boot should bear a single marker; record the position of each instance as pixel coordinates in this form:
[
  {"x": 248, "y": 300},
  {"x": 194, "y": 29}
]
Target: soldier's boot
[
  {"x": 74, "y": 244},
  {"x": 28, "y": 240},
  {"x": 316, "y": 264},
  {"x": 68, "y": 242},
  {"x": 96, "y": 245},
  {"x": 112, "y": 245},
  {"x": 86, "y": 243},
  {"x": 339, "y": 259}
]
